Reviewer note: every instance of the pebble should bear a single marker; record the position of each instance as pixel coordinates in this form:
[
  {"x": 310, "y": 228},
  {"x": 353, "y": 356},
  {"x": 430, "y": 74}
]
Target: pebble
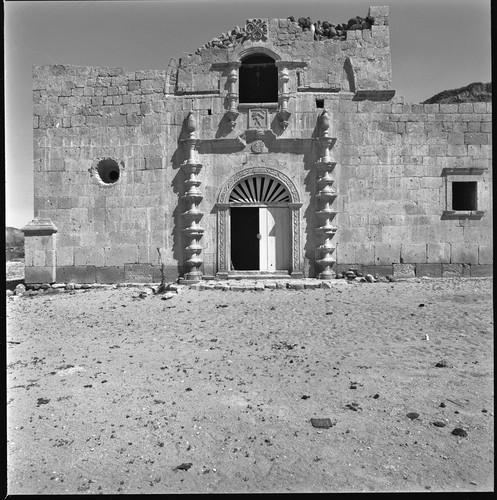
[
  {"x": 321, "y": 423},
  {"x": 443, "y": 364},
  {"x": 459, "y": 432},
  {"x": 438, "y": 423},
  {"x": 184, "y": 466},
  {"x": 412, "y": 415}
]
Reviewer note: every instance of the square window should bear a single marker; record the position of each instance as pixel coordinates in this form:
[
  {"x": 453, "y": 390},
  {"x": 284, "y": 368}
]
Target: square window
[{"x": 464, "y": 196}]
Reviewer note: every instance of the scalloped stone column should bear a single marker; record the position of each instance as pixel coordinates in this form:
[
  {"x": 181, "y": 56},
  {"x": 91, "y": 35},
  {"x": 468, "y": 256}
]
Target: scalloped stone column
[
  {"x": 326, "y": 195},
  {"x": 192, "y": 198}
]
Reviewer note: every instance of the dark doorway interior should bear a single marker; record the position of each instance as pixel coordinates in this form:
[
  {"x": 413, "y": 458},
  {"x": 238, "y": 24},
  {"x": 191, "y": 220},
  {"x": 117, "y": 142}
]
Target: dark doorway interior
[
  {"x": 244, "y": 241},
  {"x": 258, "y": 80}
]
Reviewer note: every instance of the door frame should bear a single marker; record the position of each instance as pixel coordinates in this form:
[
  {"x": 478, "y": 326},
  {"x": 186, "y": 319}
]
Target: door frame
[
  {"x": 223, "y": 206},
  {"x": 257, "y": 205}
]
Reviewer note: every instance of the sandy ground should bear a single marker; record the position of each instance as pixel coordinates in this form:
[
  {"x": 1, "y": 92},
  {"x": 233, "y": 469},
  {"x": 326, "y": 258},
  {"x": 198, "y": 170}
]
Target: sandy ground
[{"x": 214, "y": 391}]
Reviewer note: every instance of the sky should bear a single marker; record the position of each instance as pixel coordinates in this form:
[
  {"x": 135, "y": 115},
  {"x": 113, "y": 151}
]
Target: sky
[{"x": 436, "y": 45}]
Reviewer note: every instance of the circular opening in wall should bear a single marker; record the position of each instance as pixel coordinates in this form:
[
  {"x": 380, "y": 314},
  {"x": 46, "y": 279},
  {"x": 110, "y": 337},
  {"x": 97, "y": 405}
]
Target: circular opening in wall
[{"x": 108, "y": 170}]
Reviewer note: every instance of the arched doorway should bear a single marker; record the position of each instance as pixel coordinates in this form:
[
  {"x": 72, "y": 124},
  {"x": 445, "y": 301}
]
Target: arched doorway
[
  {"x": 258, "y": 231},
  {"x": 260, "y": 225}
]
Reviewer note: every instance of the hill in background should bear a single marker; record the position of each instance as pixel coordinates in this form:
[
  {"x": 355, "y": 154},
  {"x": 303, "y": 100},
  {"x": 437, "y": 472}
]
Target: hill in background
[
  {"x": 14, "y": 243},
  {"x": 474, "y": 92}
]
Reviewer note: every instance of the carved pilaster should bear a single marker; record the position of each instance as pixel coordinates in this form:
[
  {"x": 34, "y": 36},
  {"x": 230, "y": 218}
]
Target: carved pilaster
[
  {"x": 297, "y": 271},
  {"x": 326, "y": 195},
  {"x": 232, "y": 113},
  {"x": 283, "y": 113},
  {"x": 222, "y": 239},
  {"x": 192, "y": 198}
]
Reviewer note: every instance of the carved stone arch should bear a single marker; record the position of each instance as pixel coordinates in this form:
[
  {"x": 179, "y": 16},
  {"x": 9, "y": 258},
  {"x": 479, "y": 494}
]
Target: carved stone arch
[
  {"x": 223, "y": 218},
  {"x": 225, "y": 191},
  {"x": 257, "y": 48}
]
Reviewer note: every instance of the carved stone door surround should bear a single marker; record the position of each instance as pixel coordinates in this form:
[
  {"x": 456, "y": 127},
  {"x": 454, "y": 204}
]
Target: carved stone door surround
[{"x": 223, "y": 218}]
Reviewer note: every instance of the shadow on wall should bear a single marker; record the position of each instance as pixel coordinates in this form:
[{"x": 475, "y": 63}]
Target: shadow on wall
[{"x": 178, "y": 185}]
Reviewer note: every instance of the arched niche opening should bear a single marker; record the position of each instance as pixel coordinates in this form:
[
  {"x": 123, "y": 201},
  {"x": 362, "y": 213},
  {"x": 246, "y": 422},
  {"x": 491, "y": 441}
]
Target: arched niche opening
[{"x": 258, "y": 80}]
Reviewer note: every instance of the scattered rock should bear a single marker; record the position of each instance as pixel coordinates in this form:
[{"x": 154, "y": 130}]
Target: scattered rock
[
  {"x": 421, "y": 305},
  {"x": 168, "y": 295},
  {"x": 369, "y": 278},
  {"x": 438, "y": 423},
  {"x": 442, "y": 405},
  {"x": 305, "y": 397},
  {"x": 353, "y": 406},
  {"x": 42, "y": 401},
  {"x": 183, "y": 466},
  {"x": 376, "y": 396},
  {"x": 443, "y": 364},
  {"x": 413, "y": 415},
  {"x": 390, "y": 278},
  {"x": 459, "y": 432},
  {"x": 321, "y": 423},
  {"x": 20, "y": 289}
]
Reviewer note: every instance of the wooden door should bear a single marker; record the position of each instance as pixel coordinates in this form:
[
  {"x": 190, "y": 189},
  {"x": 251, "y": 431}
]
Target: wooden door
[{"x": 274, "y": 243}]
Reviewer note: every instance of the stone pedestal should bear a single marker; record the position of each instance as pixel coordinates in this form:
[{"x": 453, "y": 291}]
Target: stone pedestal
[{"x": 40, "y": 251}]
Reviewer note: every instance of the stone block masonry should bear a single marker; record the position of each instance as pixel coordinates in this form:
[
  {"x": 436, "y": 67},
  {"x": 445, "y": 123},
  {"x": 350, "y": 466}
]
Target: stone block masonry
[{"x": 409, "y": 185}]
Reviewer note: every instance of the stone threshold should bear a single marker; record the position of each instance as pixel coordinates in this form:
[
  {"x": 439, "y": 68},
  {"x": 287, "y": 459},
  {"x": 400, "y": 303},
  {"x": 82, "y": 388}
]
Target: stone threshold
[{"x": 224, "y": 285}]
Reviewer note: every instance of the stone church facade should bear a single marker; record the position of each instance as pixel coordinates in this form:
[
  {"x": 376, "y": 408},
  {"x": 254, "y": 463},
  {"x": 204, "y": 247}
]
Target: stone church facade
[{"x": 269, "y": 152}]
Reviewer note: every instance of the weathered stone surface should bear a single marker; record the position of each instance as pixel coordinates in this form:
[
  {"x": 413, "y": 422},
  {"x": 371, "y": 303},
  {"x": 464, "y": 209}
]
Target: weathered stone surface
[
  {"x": 404, "y": 270},
  {"x": 429, "y": 270},
  {"x": 39, "y": 274},
  {"x": 76, "y": 274},
  {"x": 111, "y": 274},
  {"x": 451, "y": 270},
  {"x": 481, "y": 270}
]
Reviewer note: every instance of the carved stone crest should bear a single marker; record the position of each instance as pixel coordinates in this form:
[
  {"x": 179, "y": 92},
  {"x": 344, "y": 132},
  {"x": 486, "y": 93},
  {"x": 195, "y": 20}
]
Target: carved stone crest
[
  {"x": 258, "y": 118},
  {"x": 256, "y": 29},
  {"x": 258, "y": 147}
]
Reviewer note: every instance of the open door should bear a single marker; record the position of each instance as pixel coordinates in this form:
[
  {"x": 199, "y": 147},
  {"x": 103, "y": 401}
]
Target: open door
[{"x": 274, "y": 245}]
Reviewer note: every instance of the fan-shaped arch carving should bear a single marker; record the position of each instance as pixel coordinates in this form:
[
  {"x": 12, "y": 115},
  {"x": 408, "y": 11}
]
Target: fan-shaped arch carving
[
  {"x": 259, "y": 189},
  {"x": 284, "y": 180}
]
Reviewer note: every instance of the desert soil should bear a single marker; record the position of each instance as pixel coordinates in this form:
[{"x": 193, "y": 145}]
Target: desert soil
[{"x": 214, "y": 391}]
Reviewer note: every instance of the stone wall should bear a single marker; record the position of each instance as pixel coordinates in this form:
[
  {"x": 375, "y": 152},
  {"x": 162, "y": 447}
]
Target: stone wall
[
  {"x": 397, "y": 165},
  {"x": 108, "y": 155},
  {"x": 108, "y": 232}
]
